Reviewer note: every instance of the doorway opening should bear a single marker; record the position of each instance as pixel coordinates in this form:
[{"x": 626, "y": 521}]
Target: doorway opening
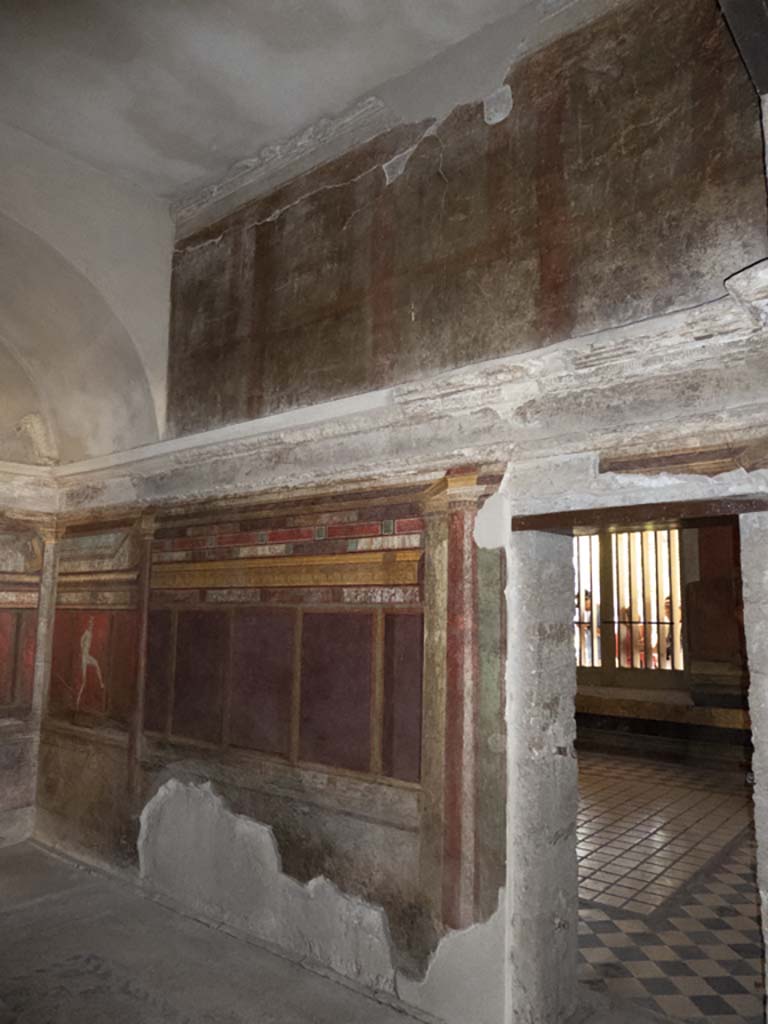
[{"x": 669, "y": 913}]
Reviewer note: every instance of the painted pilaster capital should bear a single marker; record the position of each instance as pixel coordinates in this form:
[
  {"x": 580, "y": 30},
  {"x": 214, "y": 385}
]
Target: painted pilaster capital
[
  {"x": 459, "y": 488},
  {"x": 49, "y": 531},
  {"x": 145, "y": 527}
]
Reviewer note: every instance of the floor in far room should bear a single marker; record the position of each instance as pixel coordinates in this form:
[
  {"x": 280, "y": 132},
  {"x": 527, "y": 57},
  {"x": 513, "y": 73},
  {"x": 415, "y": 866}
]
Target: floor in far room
[{"x": 669, "y": 913}]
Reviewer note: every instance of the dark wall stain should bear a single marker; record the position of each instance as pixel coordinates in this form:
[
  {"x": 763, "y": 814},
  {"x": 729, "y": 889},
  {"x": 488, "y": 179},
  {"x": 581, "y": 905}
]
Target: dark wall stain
[{"x": 628, "y": 180}]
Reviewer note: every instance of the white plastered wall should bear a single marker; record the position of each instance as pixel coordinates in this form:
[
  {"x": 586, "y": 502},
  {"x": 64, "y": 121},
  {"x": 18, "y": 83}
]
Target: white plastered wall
[{"x": 119, "y": 238}]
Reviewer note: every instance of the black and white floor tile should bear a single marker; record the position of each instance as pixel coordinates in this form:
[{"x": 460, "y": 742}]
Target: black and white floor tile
[{"x": 696, "y": 954}]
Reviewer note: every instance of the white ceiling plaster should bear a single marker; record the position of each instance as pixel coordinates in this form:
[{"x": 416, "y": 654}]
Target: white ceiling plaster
[{"x": 169, "y": 95}]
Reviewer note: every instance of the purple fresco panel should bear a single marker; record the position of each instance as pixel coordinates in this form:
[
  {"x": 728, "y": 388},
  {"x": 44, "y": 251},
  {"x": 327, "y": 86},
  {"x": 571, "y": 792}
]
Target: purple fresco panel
[
  {"x": 262, "y": 675},
  {"x": 202, "y": 651},
  {"x": 159, "y": 658},
  {"x": 336, "y": 689},
  {"x": 122, "y": 682},
  {"x": 64, "y": 685},
  {"x": 25, "y": 659},
  {"x": 403, "y": 659}
]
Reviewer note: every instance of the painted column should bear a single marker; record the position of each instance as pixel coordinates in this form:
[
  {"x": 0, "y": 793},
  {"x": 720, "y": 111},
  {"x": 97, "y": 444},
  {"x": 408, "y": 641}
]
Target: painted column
[
  {"x": 461, "y": 703},
  {"x": 46, "y": 611},
  {"x": 448, "y": 865},
  {"x": 542, "y": 797},
  {"x": 754, "y": 573},
  {"x": 146, "y": 529},
  {"x": 433, "y": 715}
]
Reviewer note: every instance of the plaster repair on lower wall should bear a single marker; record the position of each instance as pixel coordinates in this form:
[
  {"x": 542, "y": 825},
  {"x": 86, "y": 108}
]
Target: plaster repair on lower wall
[
  {"x": 465, "y": 978},
  {"x": 232, "y": 873},
  {"x": 227, "y": 868}
]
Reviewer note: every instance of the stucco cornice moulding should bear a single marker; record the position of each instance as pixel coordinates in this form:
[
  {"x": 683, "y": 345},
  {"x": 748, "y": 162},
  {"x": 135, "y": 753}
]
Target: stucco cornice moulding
[
  {"x": 696, "y": 377},
  {"x": 17, "y": 469},
  {"x": 29, "y": 491},
  {"x": 282, "y": 160},
  {"x": 236, "y": 433}
]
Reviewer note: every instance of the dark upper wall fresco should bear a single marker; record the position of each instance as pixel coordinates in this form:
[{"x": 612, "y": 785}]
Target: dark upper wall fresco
[{"x": 628, "y": 180}]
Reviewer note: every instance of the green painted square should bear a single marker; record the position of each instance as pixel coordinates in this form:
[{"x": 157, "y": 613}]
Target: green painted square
[
  {"x": 388, "y": 526},
  {"x": 319, "y": 533},
  {"x": 262, "y": 537},
  {"x": 351, "y": 545}
]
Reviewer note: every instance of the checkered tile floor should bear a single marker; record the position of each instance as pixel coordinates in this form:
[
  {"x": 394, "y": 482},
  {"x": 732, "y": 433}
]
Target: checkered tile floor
[
  {"x": 697, "y": 954},
  {"x": 645, "y": 828}
]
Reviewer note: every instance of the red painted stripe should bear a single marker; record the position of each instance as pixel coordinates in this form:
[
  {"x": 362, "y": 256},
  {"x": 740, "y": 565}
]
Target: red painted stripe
[
  {"x": 26, "y": 657},
  {"x": 555, "y": 303},
  {"x": 226, "y": 540},
  {"x": 409, "y": 525},
  {"x": 475, "y": 639},
  {"x": 7, "y": 648},
  {"x": 355, "y": 530},
  {"x": 454, "y": 724},
  {"x": 189, "y": 543},
  {"x": 290, "y": 533}
]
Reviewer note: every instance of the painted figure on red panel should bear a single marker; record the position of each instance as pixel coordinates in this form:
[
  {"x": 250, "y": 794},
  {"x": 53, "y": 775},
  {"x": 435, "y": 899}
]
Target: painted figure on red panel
[{"x": 88, "y": 661}]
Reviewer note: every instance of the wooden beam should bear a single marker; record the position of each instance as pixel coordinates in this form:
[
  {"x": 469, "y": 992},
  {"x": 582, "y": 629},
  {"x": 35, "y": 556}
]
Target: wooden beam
[{"x": 670, "y": 513}]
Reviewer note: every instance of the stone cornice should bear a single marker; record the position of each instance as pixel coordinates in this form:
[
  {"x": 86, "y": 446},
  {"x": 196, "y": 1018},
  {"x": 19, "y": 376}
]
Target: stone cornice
[{"x": 689, "y": 379}]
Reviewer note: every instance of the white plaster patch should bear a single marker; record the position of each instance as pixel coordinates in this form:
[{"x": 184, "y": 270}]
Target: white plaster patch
[
  {"x": 750, "y": 288},
  {"x": 394, "y": 168},
  {"x": 16, "y": 825},
  {"x": 498, "y": 106},
  {"x": 35, "y": 428},
  {"x": 492, "y": 522},
  {"x": 226, "y": 867},
  {"x": 465, "y": 978},
  {"x": 19, "y": 553}
]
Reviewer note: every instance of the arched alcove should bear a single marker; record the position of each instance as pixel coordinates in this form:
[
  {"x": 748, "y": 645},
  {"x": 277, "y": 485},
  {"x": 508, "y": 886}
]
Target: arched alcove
[{"x": 91, "y": 388}]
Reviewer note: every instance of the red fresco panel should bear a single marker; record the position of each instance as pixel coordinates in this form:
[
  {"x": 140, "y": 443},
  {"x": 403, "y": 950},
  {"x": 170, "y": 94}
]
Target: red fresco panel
[
  {"x": 229, "y": 540},
  {"x": 189, "y": 543},
  {"x": 409, "y": 525},
  {"x": 90, "y": 661},
  {"x": 262, "y": 676},
  {"x": 403, "y": 654},
  {"x": 159, "y": 659},
  {"x": 25, "y": 658},
  {"x": 355, "y": 530},
  {"x": 290, "y": 533},
  {"x": 122, "y": 675},
  {"x": 202, "y": 648},
  {"x": 336, "y": 689},
  {"x": 7, "y": 655},
  {"x": 61, "y": 696}
]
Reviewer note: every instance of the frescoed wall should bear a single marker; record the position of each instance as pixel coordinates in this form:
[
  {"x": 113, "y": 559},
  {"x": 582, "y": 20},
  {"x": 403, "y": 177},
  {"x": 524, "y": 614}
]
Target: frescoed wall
[
  {"x": 299, "y": 656},
  {"x": 19, "y": 580}
]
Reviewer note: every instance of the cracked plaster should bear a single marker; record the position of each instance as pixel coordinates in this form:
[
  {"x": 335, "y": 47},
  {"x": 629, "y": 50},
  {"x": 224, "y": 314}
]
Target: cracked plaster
[{"x": 694, "y": 376}]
